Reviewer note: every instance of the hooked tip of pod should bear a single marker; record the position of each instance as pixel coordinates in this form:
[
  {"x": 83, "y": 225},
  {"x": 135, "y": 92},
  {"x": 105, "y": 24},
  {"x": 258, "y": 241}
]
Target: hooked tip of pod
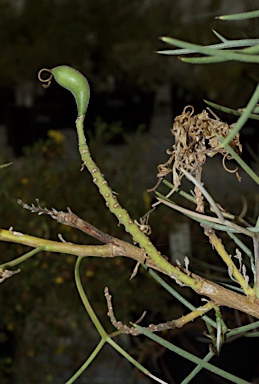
[
  {"x": 72, "y": 80},
  {"x": 46, "y": 82}
]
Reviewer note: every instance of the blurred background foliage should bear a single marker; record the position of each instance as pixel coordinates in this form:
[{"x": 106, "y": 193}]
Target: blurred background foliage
[{"x": 117, "y": 39}]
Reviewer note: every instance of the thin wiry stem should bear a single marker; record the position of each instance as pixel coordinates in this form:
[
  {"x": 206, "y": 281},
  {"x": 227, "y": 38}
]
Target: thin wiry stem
[
  {"x": 256, "y": 261},
  {"x": 205, "y": 194},
  {"x": 199, "y": 216}
]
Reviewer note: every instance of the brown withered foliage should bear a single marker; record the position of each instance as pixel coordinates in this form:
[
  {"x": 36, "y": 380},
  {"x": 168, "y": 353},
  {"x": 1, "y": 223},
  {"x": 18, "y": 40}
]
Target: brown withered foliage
[{"x": 195, "y": 139}]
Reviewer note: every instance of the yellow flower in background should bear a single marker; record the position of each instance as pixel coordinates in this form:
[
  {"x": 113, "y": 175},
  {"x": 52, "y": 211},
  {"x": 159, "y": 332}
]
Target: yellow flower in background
[
  {"x": 89, "y": 273},
  {"x": 59, "y": 280},
  {"x": 31, "y": 352},
  {"x": 10, "y": 327},
  {"x": 24, "y": 180},
  {"x": 56, "y": 136},
  {"x": 146, "y": 199},
  {"x": 70, "y": 259}
]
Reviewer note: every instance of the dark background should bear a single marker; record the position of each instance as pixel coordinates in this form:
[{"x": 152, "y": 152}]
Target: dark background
[{"x": 113, "y": 43}]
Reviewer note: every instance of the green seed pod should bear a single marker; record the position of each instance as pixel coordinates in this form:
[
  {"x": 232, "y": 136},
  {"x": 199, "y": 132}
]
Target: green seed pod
[{"x": 75, "y": 82}]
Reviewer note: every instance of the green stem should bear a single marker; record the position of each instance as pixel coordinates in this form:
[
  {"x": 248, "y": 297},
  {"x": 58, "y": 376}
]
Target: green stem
[
  {"x": 57, "y": 246},
  {"x": 102, "y": 332},
  {"x": 205, "y": 194},
  {"x": 87, "y": 362},
  {"x": 240, "y": 16},
  {"x": 86, "y": 302},
  {"x": 256, "y": 261},
  {"x": 122, "y": 215},
  {"x": 196, "y": 360},
  {"x": 22, "y": 258},
  {"x": 244, "y": 117},
  {"x": 197, "y": 369},
  {"x": 222, "y": 55},
  {"x": 133, "y": 361},
  {"x": 241, "y": 162},
  {"x": 230, "y": 110},
  {"x": 179, "y": 297},
  {"x": 243, "y": 329}
]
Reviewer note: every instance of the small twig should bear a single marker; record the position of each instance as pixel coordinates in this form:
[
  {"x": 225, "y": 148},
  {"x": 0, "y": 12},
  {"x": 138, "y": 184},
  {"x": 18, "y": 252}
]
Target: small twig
[
  {"x": 61, "y": 238},
  {"x": 211, "y": 219},
  {"x": 205, "y": 194},
  {"x": 15, "y": 233},
  {"x": 178, "y": 323},
  {"x": 69, "y": 218},
  {"x": 135, "y": 270},
  {"x": 233, "y": 270},
  {"x": 5, "y": 274},
  {"x": 117, "y": 324}
]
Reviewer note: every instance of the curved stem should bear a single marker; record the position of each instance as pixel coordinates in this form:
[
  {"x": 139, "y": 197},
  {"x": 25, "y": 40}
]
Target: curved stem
[
  {"x": 86, "y": 302},
  {"x": 87, "y": 362},
  {"x": 22, "y": 258}
]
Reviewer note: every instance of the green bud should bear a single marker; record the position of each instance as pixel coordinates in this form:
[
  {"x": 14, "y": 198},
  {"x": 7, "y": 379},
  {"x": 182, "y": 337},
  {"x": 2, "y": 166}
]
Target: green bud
[{"x": 71, "y": 79}]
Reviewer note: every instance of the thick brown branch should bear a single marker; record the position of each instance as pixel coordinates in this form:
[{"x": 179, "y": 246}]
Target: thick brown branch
[
  {"x": 225, "y": 297},
  {"x": 219, "y": 295}
]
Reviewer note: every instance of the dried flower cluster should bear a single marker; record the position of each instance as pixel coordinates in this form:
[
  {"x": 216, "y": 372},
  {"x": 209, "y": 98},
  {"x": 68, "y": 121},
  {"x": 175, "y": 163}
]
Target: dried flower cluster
[{"x": 196, "y": 138}]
